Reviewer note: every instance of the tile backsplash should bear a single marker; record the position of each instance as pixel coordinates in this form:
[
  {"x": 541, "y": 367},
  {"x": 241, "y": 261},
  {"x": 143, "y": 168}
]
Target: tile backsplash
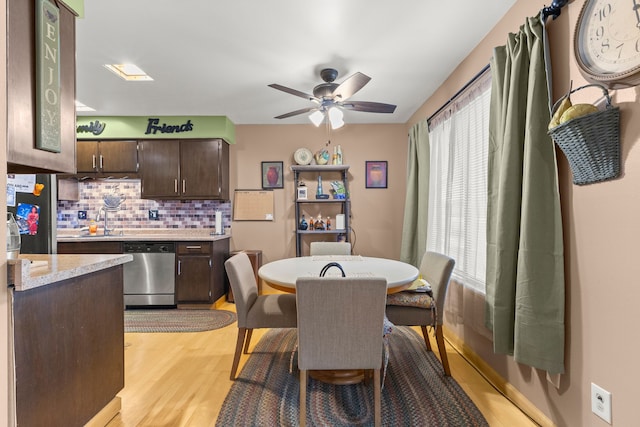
[{"x": 134, "y": 211}]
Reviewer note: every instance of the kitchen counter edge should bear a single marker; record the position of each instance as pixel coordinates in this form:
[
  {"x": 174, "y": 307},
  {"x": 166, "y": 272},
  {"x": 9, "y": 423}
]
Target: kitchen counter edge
[
  {"x": 145, "y": 236},
  {"x": 33, "y": 271}
]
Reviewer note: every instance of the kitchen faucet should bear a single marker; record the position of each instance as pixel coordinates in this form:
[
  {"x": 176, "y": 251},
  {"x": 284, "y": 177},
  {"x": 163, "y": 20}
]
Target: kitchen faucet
[{"x": 103, "y": 211}]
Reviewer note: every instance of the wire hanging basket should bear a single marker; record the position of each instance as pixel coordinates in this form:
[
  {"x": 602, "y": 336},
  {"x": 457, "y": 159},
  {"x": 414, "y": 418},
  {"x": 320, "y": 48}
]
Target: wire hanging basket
[{"x": 591, "y": 142}]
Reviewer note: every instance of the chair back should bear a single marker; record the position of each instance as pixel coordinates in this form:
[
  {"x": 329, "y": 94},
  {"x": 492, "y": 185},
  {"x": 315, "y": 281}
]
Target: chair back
[
  {"x": 243, "y": 283},
  {"x": 436, "y": 268},
  {"x": 330, "y": 248},
  {"x": 340, "y": 322}
]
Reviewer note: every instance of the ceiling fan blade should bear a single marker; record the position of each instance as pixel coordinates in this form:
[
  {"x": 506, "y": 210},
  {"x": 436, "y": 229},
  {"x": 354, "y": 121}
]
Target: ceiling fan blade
[
  {"x": 351, "y": 85},
  {"x": 295, "y": 113},
  {"x": 294, "y": 92},
  {"x": 369, "y": 107}
]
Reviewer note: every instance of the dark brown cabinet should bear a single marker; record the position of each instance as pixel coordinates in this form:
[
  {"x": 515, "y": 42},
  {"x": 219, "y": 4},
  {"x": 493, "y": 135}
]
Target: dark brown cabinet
[
  {"x": 200, "y": 271},
  {"x": 22, "y": 156},
  {"x": 90, "y": 248},
  {"x": 185, "y": 169},
  {"x": 108, "y": 157}
]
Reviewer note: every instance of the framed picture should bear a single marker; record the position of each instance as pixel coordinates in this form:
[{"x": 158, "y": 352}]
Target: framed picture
[
  {"x": 302, "y": 193},
  {"x": 376, "y": 174},
  {"x": 272, "y": 175}
]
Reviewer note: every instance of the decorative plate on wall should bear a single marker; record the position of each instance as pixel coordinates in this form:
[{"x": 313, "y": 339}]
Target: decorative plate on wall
[{"x": 303, "y": 156}]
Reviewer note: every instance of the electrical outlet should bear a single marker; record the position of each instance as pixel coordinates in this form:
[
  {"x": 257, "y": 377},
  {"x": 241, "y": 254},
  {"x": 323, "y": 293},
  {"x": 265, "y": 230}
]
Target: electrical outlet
[
  {"x": 82, "y": 214},
  {"x": 601, "y": 402},
  {"x": 153, "y": 214}
]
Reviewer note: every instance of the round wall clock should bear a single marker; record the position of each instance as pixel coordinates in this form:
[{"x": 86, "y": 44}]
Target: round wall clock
[{"x": 607, "y": 42}]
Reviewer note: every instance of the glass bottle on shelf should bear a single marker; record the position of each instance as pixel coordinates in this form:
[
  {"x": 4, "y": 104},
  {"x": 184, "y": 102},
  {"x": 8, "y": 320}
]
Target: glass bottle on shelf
[{"x": 303, "y": 223}]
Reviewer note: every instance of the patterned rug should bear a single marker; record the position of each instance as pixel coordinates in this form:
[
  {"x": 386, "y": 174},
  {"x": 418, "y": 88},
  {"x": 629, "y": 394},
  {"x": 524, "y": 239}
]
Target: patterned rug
[
  {"x": 416, "y": 392},
  {"x": 174, "y": 320}
]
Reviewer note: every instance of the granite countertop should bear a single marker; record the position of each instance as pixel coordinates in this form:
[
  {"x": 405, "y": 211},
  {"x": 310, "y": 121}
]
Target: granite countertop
[
  {"x": 32, "y": 271},
  {"x": 142, "y": 234}
]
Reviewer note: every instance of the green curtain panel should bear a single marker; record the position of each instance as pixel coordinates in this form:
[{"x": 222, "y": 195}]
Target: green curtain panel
[
  {"x": 414, "y": 226},
  {"x": 525, "y": 260}
]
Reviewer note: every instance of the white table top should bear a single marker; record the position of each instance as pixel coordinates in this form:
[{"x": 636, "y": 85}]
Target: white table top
[{"x": 282, "y": 274}]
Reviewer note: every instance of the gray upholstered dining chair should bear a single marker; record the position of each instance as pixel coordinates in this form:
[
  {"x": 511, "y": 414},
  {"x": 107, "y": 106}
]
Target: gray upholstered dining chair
[
  {"x": 255, "y": 311},
  {"x": 340, "y": 325},
  {"x": 413, "y": 309},
  {"x": 330, "y": 248}
]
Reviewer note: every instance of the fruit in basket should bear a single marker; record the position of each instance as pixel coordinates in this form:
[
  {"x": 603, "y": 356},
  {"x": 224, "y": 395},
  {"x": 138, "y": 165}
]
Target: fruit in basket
[
  {"x": 577, "y": 111},
  {"x": 564, "y": 106}
]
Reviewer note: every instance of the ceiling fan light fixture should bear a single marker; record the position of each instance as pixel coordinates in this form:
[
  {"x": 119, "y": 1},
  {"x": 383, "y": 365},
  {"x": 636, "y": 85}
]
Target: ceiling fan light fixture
[
  {"x": 317, "y": 117},
  {"x": 335, "y": 117}
]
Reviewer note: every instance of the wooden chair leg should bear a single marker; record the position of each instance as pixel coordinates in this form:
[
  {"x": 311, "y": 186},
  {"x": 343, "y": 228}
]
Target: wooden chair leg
[
  {"x": 236, "y": 357},
  {"x": 303, "y": 398},
  {"x": 377, "y": 400},
  {"x": 425, "y": 334},
  {"x": 442, "y": 350},
  {"x": 248, "y": 341}
]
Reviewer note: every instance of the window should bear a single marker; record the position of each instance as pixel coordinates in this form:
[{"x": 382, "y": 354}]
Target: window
[{"x": 458, "y": 183}]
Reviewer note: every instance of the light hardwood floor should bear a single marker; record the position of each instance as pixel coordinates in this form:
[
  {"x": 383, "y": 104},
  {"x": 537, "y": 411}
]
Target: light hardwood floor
[{"x": 181, "y": 379}]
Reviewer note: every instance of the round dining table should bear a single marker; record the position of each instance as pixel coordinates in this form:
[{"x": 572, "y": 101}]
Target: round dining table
[{"x": 282, "y": 274}]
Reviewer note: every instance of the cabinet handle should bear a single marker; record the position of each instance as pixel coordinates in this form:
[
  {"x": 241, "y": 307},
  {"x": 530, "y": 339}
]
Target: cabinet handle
[
  {"x": 194, "y": 247},
  {"x": 179, "y": 267},
  {"x": 184, "y": 185},
  {"x": 101, "y": 162},
  {"x": 175, "y": 185},
  {"x": 93, "y": 161}
]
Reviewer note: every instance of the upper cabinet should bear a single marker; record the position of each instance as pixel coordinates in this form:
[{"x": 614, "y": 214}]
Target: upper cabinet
[
  {"x": 185, "y": 169},
  {"x": 108, "y": 158},
  {"x": 22, "y": 154}
]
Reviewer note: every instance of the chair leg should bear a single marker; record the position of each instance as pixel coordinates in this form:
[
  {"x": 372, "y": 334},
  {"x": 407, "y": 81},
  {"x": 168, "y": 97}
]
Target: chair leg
[
  {"x": 236, "y": 357},
  {"x": 442, "y": 350},
  {"x": 425, "y": 334},
  {"x": 377, "y": 404},
  {"x": 246, "y": 343},
  {"x": 303, "y": 398}
]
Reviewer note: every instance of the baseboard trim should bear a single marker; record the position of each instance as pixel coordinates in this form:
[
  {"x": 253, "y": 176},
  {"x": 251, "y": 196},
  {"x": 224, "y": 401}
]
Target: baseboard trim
[
  {"x": 504, "y": 387},
  {"x": 107, "y": 413}
]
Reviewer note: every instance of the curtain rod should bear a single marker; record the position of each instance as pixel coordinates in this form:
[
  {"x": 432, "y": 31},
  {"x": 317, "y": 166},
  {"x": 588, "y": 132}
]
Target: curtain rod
[
  {"x": 554, "y": 9},
  {"x": 469, "y": 83}
]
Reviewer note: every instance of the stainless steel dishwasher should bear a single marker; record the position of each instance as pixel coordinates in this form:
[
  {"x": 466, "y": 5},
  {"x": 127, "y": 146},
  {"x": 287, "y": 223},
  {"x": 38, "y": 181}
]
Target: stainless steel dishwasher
[{"x": 150, "y": 279}]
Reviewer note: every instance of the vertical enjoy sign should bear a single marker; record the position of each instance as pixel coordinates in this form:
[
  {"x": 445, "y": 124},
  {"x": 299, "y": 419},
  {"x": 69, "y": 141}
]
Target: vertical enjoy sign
[{"x": 47, "y": 76}]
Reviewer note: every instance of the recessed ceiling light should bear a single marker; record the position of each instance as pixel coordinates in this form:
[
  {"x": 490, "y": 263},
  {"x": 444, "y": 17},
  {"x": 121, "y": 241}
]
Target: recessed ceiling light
[
  {"x": 128, "y": 72},
  {"x": 81, "y": 107}
]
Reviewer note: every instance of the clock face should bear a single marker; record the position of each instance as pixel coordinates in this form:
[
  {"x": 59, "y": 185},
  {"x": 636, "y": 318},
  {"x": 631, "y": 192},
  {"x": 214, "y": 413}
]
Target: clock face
[{"x": 607, "y": 41}]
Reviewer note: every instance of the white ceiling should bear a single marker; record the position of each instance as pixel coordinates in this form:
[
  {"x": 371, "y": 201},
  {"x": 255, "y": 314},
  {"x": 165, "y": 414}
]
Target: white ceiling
[{"x": 213, "y": 57}]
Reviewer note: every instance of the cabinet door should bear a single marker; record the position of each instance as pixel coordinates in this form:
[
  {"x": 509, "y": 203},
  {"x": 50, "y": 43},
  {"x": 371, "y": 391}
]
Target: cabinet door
[
  {"x": 22, "y": 156},
  {"x": 87, "y": 156},
  {"x": 193, "y": 280},
  {"x": 90, "y": 248},
  {"x": 200, "y": 168},
  {"x": 118, "y": 156},
  {"x": 160, "y": 169}
]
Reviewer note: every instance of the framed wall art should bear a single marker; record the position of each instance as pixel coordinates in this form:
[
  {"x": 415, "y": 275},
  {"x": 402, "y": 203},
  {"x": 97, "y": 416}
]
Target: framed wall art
[
  {"x": 272, "y": 175},
  {"x": 376, "y": 174}
]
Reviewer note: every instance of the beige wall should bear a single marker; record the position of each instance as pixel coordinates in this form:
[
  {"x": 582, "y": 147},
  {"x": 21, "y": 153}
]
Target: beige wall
[
  {"x": 602, "y": 230},
  {"x": 376, "y": 213}
]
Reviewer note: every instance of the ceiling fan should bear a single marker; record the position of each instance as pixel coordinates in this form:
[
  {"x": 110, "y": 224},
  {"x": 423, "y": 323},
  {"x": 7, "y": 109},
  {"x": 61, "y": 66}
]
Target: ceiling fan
[{"x": 330, "y": 97}]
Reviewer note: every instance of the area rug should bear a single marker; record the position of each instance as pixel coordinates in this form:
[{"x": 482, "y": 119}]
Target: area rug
[
  {"x": 416, "y": 392},
  {"x": 174, "y": 320}
]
